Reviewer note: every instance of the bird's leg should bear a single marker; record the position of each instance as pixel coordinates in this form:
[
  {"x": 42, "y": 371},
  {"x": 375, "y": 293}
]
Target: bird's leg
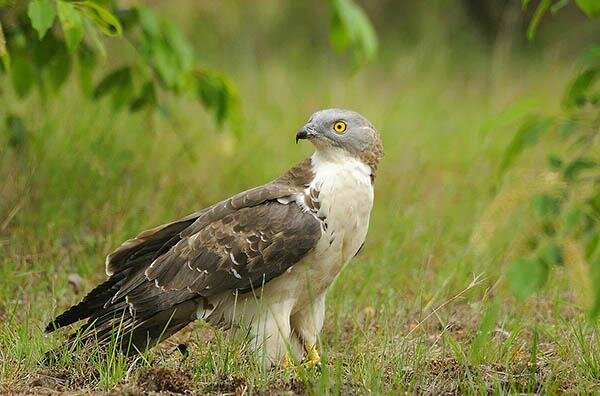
[
  {"x": 269, "y": 335},
  {"x": 288, "y": 361},
  {"x": 307, "y": 324},
  {"x": 312, "y": 356}
]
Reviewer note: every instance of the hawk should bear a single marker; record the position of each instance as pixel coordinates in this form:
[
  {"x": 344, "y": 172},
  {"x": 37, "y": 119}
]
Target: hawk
[{"x": 263, "y": 259}]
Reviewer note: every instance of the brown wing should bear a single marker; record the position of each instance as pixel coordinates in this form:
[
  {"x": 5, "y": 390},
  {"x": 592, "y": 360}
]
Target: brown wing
[
  {"x": 144, "y": 246},
  {"x": 241, "y": 251},
  {"x": 239, "y": 243}
]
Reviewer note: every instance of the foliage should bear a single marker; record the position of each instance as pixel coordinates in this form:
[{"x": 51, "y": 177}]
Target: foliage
[
  {"x": 351, "y": 29},
  {"x": 42, "y": 40},
  {"x": 591, "y": 8},
  {"x": 567, "y": 213},
  {"x": 45, "y": 39}
]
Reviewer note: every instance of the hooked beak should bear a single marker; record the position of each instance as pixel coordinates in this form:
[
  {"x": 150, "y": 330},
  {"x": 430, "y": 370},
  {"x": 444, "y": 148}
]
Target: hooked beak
[{"x": 306, "y": 132}]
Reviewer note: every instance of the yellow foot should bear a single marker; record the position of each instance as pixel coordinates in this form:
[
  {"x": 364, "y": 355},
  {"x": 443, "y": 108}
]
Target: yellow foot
[
  {"x": 287, "y": 361},
  {"x": 312, "y": 356}
]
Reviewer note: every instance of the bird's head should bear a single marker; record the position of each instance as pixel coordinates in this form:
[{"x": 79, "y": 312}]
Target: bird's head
[{"x": 338, "y": 131}]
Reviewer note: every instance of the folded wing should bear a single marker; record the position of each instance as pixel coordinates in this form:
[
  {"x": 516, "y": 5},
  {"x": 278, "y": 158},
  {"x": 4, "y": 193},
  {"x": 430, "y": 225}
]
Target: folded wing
[{"x": 158, "y": 279}]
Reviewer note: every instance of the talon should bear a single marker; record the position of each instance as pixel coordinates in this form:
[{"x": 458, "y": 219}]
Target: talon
[
  {"x": 287, "y": 361},
  {"x": 312, "y": 356}
]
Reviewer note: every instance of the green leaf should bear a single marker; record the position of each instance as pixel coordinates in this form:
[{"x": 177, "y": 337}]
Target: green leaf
[
  {"x": 218, "y": 93},
  {"x": 594, "y": 98},
  {"x": 479, "y": 345},
  {"x": 567, "y": 127},
  {"x": 590, "y": 56},
  {"x": 571, "y": 220},
  {"x": 4, "y": 55},
  {"x": 560, "y": 4},
  {"x": 17, "y": 132},
  {"x": 103, "y": 18},
  {"x": 555, "y": 162},
  {"x": 351, "y": 28},
  {"x": 590, "y": 7},
  {"x": 57, "y": 69},
  {"x": 509, "y": 115},
  {"x": 526, "y": 276},
  {"x": 527, "y": 135},
  {"x": 146, "y": 98},
  {"x": 167, "y": 51},
  {"x": 577, "y": 166},
  {"x": 71, "y": 23},
  {"x": 149, "y": 21},
  {"x": 95, "y": 38},
  {"x": 533, "y": 357},
  {"x": 592, "y": 245},
  {"x": 550, "y": 254},
  {"x": 594, "y": 260},
  {"x": 119, "y": 84},
  {"x": 545, "y": 205},
  {"x": 595, "y": 275},
  {"x": 41, "y": 51},
  {"x": 594, "y": 203},
  {"x": 549, "y": 227},
  {"x": 86, "y": 64},
  {"x": 576, "y": 92},
  {"x": 23, "y": 76},
  {"x": 110, "y": 81},
  {"x": 537, "y": 17},
  {"x": 42, "y": 14}
]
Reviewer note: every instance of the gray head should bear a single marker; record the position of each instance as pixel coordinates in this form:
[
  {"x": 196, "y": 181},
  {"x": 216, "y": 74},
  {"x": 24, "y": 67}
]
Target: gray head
[{"x": 338, "y": 129}]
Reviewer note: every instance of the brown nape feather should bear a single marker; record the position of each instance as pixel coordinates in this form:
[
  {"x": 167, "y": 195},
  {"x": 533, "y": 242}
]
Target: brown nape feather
[
  {"x": 373, "y": 154},
  {"x": 300, "y": 175}
]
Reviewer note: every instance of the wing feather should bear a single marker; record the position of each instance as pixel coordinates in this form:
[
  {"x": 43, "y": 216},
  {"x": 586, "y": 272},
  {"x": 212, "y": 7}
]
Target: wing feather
[
  {"x": 241, "y": 250},
  {"x": 237, "y": 244}
]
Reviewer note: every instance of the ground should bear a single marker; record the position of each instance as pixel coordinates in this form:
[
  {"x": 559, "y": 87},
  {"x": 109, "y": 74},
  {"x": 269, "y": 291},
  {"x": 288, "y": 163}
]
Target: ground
[{"x": 424, "y": 308}]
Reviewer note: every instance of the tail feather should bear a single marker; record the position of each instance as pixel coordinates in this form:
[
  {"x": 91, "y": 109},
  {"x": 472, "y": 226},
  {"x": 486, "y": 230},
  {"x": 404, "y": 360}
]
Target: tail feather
[
  {"x": 128, "y": 308},
  {"x": 91, "y": 303},
  {"x": 134, "y": 326},
  {"x": 134, "y": 334}
]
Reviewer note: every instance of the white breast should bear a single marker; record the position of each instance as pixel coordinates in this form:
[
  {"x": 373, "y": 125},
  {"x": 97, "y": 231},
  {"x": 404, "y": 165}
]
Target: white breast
[{"x": 345, "y": 195}]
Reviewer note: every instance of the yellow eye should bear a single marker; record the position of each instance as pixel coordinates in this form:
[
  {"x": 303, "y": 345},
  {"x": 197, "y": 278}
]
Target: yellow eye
[{"x": 339, "y": 127}]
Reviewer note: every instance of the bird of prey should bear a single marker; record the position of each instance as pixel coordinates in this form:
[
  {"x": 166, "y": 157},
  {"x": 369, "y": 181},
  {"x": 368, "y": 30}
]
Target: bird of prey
[{"x": 263, "y": 259}]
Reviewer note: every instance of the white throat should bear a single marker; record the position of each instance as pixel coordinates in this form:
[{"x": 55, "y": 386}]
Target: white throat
[{"x": 329, "y": 159}]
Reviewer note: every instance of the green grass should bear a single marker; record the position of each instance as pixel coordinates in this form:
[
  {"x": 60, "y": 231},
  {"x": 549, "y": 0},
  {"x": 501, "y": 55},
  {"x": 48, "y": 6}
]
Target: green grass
[{"x": 419, "y": 310}]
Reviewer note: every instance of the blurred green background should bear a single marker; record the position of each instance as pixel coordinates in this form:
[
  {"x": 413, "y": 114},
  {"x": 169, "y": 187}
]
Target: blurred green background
[{"x": 450, "y": 84}]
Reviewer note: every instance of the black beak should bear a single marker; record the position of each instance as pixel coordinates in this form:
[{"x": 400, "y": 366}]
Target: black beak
[{"x": 304, "y": 133}]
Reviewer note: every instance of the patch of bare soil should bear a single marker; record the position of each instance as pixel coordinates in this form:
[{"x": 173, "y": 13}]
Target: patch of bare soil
[
  {"x": 444, "y": 377},
  {"x": 292, "y": 387},
  {"x": 228, "y": 384},
  {"x": 163, "y": 379},
  {"x": 58, "y": 380}
]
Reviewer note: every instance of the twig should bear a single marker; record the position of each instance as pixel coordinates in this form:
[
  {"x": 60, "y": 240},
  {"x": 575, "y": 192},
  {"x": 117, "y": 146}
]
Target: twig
[
  {"x": 10, "y": 216},
  {"x": 475, "y": 282}
]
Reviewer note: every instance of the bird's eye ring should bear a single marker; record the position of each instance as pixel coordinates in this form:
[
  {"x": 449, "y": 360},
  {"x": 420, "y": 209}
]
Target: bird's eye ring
[{"x": 339, "y": 127}]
